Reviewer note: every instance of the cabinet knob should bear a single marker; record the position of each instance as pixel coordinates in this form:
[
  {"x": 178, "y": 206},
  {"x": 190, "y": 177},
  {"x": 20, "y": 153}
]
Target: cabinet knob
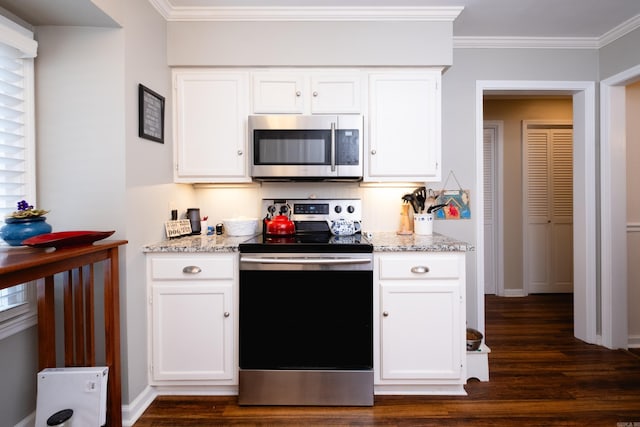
[
  {"x": 298, "y": 93},
  {"x": 420, "y": 269},
  {"x": 373, "y": 152},
  {"x": 315, "y": 93},
  {"x": 385, "y": 313},
  {"x": 240, "y": 153},
  {"x": 227, "y": 314},
  {"x": 191, "y": 269}
]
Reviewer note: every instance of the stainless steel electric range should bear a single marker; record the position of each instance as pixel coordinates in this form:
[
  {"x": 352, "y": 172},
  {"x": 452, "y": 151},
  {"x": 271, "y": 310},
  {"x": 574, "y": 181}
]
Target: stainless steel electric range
[{"x": 306, "y": 311}]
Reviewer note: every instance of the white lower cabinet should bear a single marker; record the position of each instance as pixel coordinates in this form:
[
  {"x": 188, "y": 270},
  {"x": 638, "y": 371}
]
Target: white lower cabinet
[
  {"x": 193, "y": 316},
  {"x": 420, "y": 309}
]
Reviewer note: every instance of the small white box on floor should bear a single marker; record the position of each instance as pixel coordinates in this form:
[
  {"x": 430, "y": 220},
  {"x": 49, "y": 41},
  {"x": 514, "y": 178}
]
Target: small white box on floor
[
  {"x": 83, "y": 390},
  {"x": 478, "y": 363}
]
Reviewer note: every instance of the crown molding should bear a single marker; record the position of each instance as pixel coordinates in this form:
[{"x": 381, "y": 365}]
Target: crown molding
[
  {"x": 548, "y": 42},
  {"x": 526, "y": 42},
  {"x": 619, "y": 31},
  {"x": 220, "y": 13}
]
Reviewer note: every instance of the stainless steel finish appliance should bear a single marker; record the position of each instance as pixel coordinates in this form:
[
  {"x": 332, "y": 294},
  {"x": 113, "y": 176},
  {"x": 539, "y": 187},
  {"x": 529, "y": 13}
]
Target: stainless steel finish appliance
[
  {"x": 299, "y": 147},
  {"x": 306, "y": 313}
]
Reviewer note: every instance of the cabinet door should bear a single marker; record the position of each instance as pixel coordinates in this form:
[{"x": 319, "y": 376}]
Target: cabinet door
[
  {"x": 210, "y": 126},
  {"x": 420, "y": 330},
  {"x": 335, "y": 93},
  {"x": 278, "y": 93},
  {"x": 404, "y": 126},
  {"x": 192, "y": 332}
]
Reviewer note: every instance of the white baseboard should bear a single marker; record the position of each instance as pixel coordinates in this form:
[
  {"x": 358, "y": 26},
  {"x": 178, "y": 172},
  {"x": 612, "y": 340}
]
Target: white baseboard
[
  {"x": 634, "y": 341},
  {"x": 29, "y": 421},
  {"x": 134, "y": 410},
  {"x": 514, "y": 293}
]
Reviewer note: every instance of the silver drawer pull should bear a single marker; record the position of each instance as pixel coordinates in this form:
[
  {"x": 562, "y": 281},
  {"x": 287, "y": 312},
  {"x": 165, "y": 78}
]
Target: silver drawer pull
[
  {"x": 191, "y": 269},
  {"x": 420, "y": 269},
  {"x": 385, "y": 313},
  {"x": 227, "y": 314}
]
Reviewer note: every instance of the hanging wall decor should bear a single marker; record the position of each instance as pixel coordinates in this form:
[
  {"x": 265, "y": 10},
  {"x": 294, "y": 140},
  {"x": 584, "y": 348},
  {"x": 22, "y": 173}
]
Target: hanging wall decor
[
  {"x": 458, "y": 201},
  {"x": 150, "y": 114}
]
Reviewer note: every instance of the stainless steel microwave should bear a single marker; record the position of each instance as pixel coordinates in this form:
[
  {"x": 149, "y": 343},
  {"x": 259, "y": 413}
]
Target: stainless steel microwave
[{"x": 299, "y": 147}]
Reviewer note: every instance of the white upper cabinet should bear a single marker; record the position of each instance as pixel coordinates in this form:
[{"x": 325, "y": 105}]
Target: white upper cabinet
[
  {"x": 404, "y": 138},
  {"x": 401, "y": 107},
  {"x": 210, "y": 125},
  {"x": 306, "y": 92}
]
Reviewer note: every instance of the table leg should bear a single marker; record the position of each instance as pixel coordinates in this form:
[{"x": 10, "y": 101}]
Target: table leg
[
  {"x": 112, "y": 338},
  {"x": 46, "y": 324}
]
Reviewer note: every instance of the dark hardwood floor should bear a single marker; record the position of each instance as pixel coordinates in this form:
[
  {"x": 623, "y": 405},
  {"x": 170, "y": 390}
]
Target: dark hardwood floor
[{"x": 540, "y": 375}]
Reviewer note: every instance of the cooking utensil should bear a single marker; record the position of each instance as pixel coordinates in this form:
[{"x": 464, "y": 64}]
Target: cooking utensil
[
  {"x": 420, "y": 195},
  {"x": 436, "y": 208},
  {"x": 411, "y": 199}
]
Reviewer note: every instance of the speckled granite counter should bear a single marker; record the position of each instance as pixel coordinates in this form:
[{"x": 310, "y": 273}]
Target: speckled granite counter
[
  {"x": 392, "y": 242},
  {"x": 197, "y": 244},
  {"x": 382, "y": 242}
]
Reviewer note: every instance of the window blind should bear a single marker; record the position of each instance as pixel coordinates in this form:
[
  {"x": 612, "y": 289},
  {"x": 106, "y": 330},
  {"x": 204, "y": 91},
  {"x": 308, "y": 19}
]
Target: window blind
[
  {"x": 13, "y": 156},
  {"x": 17, "y": 151}
]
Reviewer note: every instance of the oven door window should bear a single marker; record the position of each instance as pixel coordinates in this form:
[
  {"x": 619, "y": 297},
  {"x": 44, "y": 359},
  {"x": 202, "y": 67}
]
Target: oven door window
[
  {"x": 292, "y": 147},
  {"x": 289, "y": 320}
]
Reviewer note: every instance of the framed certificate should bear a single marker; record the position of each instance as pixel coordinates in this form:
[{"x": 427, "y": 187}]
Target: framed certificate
[{"x": 151, "y": 114}]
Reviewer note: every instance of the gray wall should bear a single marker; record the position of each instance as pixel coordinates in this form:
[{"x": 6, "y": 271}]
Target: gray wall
[
  {"x": 620, "y": 55},
  {"x": 309, "y": 43}
]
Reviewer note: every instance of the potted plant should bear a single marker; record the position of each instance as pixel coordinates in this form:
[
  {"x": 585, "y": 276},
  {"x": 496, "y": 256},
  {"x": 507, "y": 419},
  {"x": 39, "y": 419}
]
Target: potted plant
[{"x": 23, "y": 223}]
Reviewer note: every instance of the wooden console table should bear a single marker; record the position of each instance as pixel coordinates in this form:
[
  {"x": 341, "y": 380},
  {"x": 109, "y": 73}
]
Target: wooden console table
[{"x": 77, "y": 267}]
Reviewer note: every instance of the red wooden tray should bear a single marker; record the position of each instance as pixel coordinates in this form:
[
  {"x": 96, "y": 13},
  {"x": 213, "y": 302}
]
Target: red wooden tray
[{"x": 64, "y": 239}]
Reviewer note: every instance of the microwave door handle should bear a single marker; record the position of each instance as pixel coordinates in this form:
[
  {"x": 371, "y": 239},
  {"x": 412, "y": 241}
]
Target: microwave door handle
[{"x": 333, "y": 147}]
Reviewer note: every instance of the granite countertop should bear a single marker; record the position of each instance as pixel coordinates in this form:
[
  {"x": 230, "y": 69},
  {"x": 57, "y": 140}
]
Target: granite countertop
[
  {"x": 393, "y": 242},
  {"x": 198, "y": 243},
  {"x": 382, "y": 242}
]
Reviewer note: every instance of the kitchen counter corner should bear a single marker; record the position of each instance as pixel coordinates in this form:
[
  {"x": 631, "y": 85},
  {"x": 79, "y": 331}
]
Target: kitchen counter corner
[{"x": 393, "y": 242}]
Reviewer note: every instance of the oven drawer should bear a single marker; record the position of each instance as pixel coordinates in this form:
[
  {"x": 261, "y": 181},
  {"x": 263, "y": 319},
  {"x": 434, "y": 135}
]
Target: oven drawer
[
  {"x": 420, "y": 267},
  {"x": 193, "y": 267}
]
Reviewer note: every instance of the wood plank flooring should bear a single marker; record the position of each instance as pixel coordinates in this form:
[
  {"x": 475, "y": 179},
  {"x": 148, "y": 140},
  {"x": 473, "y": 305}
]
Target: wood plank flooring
[{"x": 540, "y": 375}]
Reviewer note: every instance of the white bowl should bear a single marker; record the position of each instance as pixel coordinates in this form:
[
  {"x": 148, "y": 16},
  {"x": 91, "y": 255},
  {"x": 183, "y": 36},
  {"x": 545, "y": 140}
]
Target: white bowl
[{"x": 240, "y": 226}]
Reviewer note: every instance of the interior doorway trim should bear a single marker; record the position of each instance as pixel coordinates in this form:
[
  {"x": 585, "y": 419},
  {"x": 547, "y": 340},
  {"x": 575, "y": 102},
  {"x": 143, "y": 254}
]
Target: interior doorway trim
[
  {"x": 584, "y": 197},
  {"x": 613, "y": 207}
]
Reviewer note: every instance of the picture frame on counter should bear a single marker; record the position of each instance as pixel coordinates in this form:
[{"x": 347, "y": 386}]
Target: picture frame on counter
[{"x": 150, "y": 114}]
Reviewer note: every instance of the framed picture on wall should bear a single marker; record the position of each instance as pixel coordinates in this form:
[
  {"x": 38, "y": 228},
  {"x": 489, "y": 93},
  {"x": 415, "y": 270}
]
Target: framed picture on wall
[{"x": 150, "y": 114}]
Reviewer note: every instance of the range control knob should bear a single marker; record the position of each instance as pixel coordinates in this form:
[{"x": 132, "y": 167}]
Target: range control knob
[
  {"x": 338, "y": 209},
  {"x": 351, "y": 209}
]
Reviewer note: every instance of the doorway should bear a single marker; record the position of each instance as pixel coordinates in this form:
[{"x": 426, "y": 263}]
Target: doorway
[
  {"x": 584, "y": 198},
  {"x": 527, "y": 153},
  {"x": 613, "y": 209}
]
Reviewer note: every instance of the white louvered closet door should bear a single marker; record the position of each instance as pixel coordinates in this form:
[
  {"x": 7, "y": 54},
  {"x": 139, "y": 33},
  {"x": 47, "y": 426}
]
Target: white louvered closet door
[
  {"x": 489, "y": 186},
  {"x": 548, "y": 208}
]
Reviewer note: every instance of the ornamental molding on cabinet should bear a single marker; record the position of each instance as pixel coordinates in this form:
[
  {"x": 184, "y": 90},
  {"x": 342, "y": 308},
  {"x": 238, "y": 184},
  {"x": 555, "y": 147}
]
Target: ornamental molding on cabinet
[{"x": 319, "y": 13}]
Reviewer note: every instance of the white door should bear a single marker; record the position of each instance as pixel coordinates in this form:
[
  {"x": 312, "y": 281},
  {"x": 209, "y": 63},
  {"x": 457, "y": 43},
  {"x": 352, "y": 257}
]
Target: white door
[
  {"x": 492, "y": 269},
  {"x": 548, "y": 207}
]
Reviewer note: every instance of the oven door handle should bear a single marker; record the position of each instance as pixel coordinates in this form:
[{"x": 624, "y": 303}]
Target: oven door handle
[{"x": 306, "y": 261}]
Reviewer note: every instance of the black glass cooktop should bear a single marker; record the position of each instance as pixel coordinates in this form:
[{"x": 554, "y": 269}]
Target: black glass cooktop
[{"x": 307, "y": 243}]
